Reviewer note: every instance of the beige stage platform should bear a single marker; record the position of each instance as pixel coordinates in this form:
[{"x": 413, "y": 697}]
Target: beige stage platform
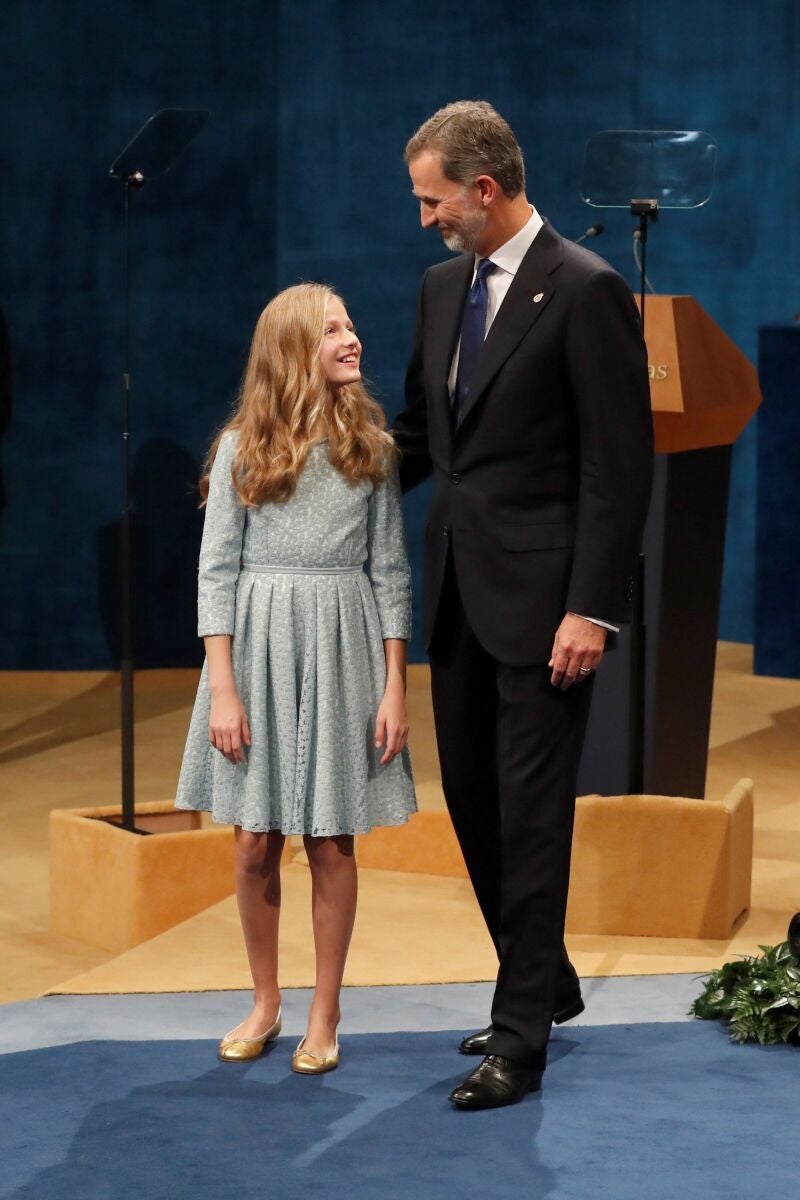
[{"x": 59, "y": 743}]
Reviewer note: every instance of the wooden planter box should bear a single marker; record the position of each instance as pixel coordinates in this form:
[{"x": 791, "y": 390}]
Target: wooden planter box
[
  {"x": 642, "y": 866},
  {"x": 115, "y": 889},
  {"x": 661, "y": 866}
]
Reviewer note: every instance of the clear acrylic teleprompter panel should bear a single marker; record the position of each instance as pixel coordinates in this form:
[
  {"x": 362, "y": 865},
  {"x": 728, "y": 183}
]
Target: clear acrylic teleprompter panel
[
  {"x": 674, "y": 167},
  {"x": 159, "y": 142}
]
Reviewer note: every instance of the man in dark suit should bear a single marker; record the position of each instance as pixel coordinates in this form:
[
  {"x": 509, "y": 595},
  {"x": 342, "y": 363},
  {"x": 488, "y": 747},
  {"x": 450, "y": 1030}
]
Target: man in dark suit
[{"x": 527, "y": 397}]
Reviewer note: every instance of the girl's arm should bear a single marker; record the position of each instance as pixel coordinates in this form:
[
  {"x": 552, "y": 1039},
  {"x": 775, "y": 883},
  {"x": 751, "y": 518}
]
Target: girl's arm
[
  {"x": 387, "y": 561},
  {"x": 220, "y": 559},
  {"x": 391, "y": 726},
  {"x": 228, "y": 727},
  {"x": 221, "y": 547},
  {"x": 387, "y": 567}
]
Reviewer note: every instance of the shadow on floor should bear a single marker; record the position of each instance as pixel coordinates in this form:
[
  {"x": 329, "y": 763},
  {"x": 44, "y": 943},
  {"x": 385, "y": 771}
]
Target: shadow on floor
[{"x": 158, "y": 1122}]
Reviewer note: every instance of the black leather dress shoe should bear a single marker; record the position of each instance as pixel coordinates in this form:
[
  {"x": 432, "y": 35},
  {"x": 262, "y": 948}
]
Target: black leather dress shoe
[
  {"x": 477, "y": 1043},
  {"x": 793, "y": 935},
  {"x": 496, "y": 1082}
]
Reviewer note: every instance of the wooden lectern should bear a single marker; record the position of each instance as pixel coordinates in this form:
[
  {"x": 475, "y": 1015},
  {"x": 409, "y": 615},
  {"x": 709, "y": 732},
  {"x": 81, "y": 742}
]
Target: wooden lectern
[{"x": 703, "y": 393}]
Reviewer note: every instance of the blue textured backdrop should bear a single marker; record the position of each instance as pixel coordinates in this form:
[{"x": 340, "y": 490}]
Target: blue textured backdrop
[{"x": 300, "y": 175}]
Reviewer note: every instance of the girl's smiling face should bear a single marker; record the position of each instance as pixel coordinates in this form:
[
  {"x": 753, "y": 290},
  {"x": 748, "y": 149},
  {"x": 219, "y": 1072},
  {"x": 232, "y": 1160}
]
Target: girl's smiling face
[{"x": 340, "y": 352}]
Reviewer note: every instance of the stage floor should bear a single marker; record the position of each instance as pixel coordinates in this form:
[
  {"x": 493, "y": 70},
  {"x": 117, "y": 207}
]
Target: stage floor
[
  {"x": 59, "y": 748},
  {"x": 105, "y": 1096}
]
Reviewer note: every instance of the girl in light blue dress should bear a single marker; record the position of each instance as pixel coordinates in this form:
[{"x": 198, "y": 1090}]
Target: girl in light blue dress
[{"x": 300, "y": 722}]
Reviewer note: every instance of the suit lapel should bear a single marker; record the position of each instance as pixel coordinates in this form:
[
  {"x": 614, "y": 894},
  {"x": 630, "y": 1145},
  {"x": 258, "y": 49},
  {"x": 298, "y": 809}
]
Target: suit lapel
[
  {"x": 447, "y": 326},
  {"x": 528, "y": 296}
]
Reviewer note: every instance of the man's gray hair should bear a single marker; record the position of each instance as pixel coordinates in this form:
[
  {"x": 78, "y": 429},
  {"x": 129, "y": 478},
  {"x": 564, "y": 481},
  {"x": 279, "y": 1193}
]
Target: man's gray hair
[{"x": 473, "y": 139}]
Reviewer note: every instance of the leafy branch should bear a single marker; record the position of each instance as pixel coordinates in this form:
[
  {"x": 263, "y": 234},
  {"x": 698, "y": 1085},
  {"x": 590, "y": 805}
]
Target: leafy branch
[{"x": 758, "y": 996}]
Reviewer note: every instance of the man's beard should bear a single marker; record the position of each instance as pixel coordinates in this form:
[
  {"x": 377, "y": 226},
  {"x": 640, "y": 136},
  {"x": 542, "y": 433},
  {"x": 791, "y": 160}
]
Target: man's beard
[{"x": 464, "y": 240}]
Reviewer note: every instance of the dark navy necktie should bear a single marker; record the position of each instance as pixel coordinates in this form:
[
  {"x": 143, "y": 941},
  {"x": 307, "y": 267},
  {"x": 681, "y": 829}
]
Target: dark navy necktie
[{"x": 473, "y": 332}]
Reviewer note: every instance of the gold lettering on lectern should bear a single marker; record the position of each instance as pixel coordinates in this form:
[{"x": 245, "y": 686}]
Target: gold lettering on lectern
[{"x": 657, "y": 370}]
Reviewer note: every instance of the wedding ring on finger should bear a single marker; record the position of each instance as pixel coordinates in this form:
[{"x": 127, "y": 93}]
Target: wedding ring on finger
[{"x": 585, "y": 670}]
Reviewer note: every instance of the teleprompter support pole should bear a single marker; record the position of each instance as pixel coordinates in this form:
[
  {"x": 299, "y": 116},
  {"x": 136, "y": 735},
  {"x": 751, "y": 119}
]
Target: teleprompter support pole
[
  {"x": 135, "y": 180},
  {"x": 150, "y": 153},
  {"x": 646, "y": 211}
]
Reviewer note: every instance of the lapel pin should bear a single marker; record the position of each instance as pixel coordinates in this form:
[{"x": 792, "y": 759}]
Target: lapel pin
[{"x": 539, "y": 296}]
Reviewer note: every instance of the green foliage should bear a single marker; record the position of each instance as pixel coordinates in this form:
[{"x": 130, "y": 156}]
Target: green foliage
[{"x": 758, "y": 996}]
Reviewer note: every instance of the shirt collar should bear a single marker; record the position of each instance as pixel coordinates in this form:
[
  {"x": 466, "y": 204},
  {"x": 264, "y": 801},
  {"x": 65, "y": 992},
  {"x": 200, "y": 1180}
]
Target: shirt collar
[{"x": 509, "y": 256}]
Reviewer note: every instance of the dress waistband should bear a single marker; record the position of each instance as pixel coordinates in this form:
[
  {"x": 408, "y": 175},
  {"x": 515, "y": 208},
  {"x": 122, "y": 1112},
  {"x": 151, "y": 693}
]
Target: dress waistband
[{"x": 276, "y": 569}]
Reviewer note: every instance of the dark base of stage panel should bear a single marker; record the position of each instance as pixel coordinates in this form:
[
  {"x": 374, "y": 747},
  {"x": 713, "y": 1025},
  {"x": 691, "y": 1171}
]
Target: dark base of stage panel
[{"x": 683, "y": 546}]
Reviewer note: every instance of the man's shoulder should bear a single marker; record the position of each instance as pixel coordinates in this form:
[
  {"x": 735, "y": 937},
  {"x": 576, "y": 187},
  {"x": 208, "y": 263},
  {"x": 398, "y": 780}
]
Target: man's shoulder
[
  {"x": 442, "y": 273},
  {"x": 581, "y": 265}
]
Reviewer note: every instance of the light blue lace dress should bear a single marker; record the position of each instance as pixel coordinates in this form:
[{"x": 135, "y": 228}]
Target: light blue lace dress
[{"x": 308, "y": 589}]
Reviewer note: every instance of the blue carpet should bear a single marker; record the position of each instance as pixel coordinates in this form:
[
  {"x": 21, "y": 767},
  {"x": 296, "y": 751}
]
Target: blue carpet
[{"x": 646, "y": 1111}]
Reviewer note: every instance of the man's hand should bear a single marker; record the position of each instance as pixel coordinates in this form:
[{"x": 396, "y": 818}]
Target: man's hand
[{"x": 577, "y": 651}]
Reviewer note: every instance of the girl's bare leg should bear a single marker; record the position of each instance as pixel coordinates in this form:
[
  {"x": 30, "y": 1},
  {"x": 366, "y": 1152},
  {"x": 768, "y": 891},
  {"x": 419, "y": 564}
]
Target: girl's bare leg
[
  {"x": 334, "y": 884},
  {"x": 258, "y": 892}
]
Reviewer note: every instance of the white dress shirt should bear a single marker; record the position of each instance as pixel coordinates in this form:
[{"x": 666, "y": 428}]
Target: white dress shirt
[{"x": 507, "y": 259}]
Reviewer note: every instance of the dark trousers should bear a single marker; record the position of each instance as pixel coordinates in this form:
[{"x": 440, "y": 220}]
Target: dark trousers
[{"x": 509, "y": 744}]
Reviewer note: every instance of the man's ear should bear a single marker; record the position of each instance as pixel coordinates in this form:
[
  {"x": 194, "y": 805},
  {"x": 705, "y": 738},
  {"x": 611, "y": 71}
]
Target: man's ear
[{"x": 488, "y": 188}]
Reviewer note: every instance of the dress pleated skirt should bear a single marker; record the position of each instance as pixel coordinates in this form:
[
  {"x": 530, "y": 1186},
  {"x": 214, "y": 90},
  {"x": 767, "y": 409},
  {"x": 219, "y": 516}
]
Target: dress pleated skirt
[{"x": 309, "y": 665}]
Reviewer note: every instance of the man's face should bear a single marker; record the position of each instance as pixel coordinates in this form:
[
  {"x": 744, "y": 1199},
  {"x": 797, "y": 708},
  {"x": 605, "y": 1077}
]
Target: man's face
[{"x": 453, "y": 208}]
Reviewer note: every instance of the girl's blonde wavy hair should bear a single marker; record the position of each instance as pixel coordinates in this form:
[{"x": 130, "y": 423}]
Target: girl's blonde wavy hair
[{"x": 285, "y": 397}]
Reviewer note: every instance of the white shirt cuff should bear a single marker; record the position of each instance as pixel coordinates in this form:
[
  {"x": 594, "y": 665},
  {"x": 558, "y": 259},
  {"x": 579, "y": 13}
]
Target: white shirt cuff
[{"x": 594, "y": 621}]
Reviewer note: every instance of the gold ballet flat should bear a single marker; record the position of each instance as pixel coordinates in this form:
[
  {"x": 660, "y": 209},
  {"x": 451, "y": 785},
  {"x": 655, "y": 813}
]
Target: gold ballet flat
[
  {"x": 306, "y": 1063},
  {"x": 233, "y": 1049}
]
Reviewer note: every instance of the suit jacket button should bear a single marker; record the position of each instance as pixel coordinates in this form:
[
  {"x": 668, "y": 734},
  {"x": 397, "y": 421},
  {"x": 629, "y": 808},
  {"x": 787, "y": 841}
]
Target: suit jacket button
[
  {"x": 455, "y": 477},
  {"x": 445, "y": 530}
]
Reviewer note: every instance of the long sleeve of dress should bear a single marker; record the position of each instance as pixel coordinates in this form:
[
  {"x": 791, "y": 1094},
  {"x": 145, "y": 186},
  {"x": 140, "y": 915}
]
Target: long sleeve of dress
[
  {"x": 387, "y": 561},
  {"x": 221, "y": 548}
]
